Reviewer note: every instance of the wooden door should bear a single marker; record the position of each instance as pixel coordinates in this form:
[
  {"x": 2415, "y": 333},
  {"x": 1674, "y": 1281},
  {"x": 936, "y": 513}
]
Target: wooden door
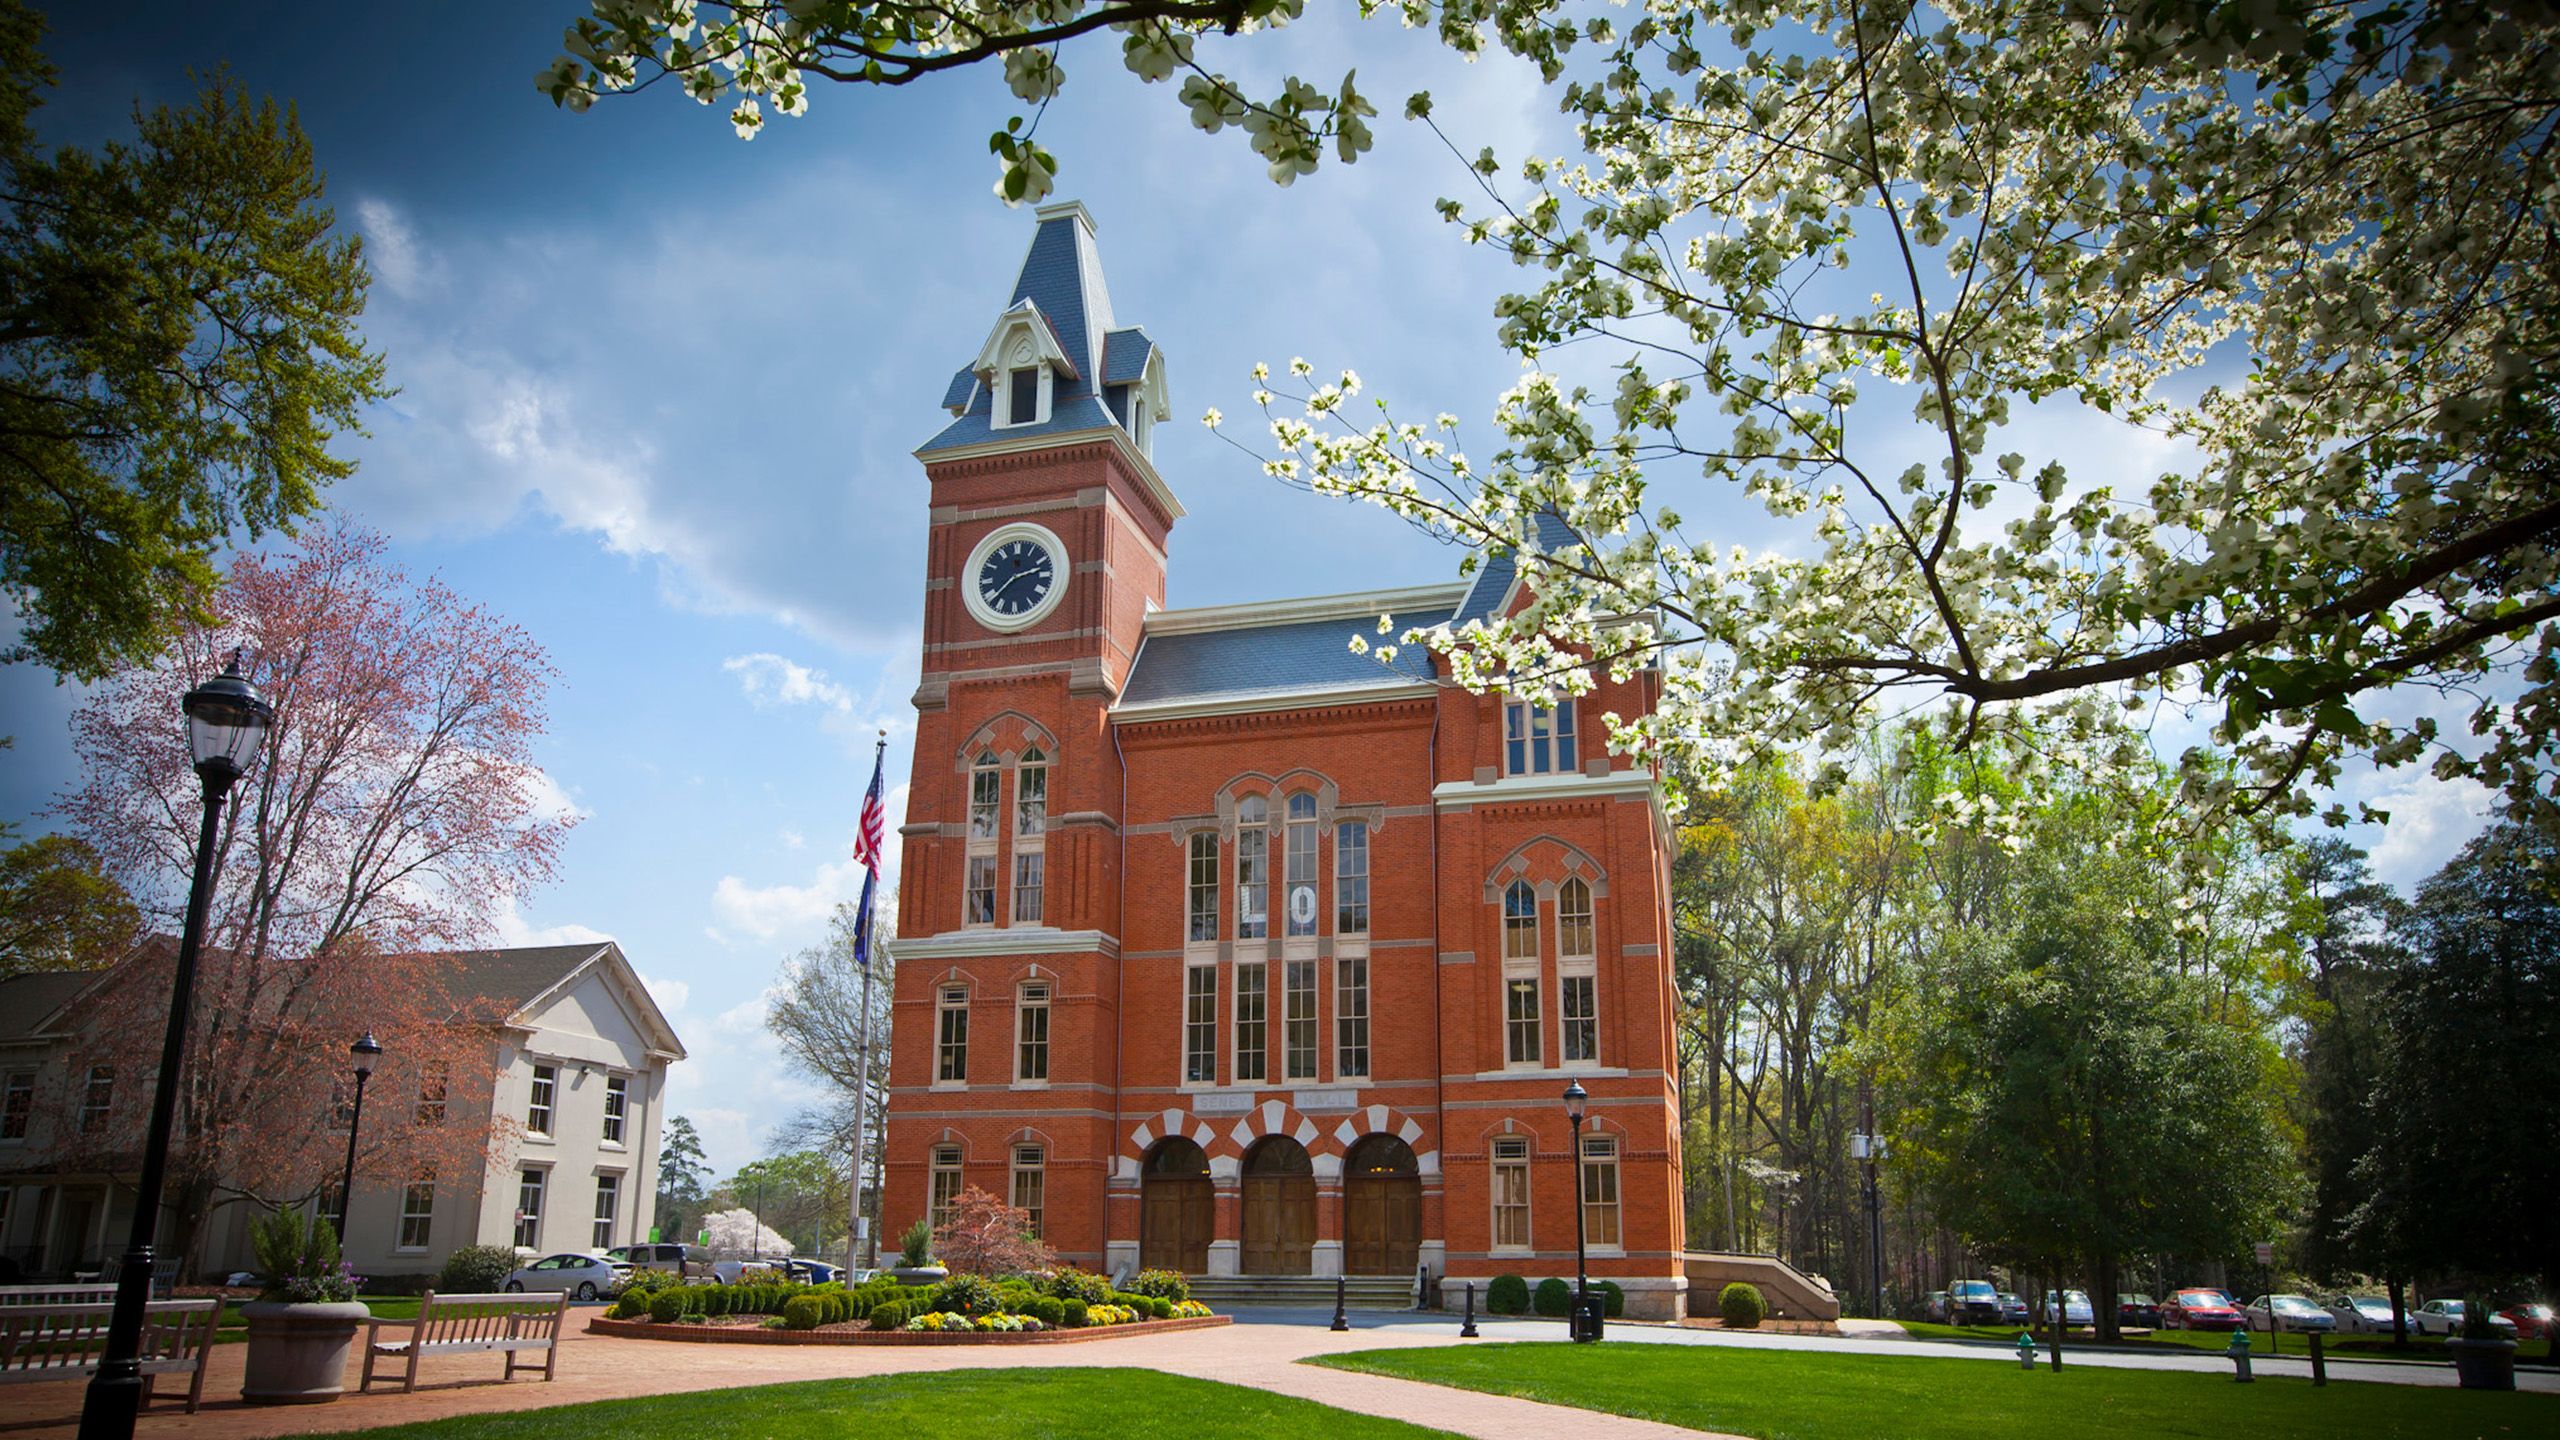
[
  {"x": 1381, "y": 1208},
  {"x": 1279, "y": 1209},
  {"x": 1175, "y": 1216}
]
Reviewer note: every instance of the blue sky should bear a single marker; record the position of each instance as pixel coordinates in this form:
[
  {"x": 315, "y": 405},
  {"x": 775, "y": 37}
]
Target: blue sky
[{"x": 659, "y": 389}]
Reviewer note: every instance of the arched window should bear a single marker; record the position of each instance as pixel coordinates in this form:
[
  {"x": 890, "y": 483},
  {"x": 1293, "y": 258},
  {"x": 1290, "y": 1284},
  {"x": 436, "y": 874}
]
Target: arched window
[
  {"x": 1203, "y": 880},
  {"x": 1030, "y": 822},
  {"x": 1577, "y": 973},
  {"x": 985, "y": 796},
  {"x": 1520, "y": 922},
  {"x": 1573, "y": 920},
  {"x": 1300, "y": 873},
  {"x": 1031, "y": 793},
  {"x": 986, "y": 806},
  {"x": 951, "y": 1061},
  {"x": 1253, "y": 868}
]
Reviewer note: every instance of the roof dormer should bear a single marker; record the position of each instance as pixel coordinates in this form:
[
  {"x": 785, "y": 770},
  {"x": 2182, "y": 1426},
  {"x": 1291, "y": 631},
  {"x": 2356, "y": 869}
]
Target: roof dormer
[{"x": 1022, "y": 365}]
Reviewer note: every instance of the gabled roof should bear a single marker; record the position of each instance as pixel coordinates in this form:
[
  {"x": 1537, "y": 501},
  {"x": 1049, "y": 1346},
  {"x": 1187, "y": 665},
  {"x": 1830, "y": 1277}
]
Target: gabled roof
[
  {"x": 522, "y": 980},
  {"x": 27, "y": 1001},
  {"x": 1487, "y": 598},
  {"x": 1240, "y": 652},
  {"x": 955, "y": 397},
  {"x": 1124, "y": 356}
]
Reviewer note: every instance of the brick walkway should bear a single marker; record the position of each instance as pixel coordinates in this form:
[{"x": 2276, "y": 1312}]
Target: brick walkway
[{"x": 594, "y": 1367}]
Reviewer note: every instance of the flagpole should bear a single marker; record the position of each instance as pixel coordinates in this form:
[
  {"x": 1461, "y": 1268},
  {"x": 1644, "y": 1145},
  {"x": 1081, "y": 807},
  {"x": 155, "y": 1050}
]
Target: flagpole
[{"x": 862, "y": 1041}]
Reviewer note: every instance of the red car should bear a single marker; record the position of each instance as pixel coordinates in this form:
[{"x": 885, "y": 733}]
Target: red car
[
  {"x": 2199, "y": 1310},
  {"x": 2533, "y": 1322}
]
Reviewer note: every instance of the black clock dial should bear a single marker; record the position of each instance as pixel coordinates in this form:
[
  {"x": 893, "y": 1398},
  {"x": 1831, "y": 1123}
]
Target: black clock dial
[{"x": 1016, "y": 576}]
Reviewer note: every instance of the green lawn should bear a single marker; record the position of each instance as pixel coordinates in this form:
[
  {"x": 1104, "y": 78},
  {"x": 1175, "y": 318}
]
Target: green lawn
[
  {"x": 2422, "y": 1347},
  {"x": 233, "y": 1326},
  {"x": 1068, "y": 1403},
  {"x": 1802, "y": 1395}
]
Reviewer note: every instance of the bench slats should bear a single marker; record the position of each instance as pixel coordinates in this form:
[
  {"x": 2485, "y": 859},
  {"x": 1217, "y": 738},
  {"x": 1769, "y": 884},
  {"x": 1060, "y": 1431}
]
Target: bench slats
[
  {"x": 465, "y": 1324},
  {"x": 61, "y": 1341}
]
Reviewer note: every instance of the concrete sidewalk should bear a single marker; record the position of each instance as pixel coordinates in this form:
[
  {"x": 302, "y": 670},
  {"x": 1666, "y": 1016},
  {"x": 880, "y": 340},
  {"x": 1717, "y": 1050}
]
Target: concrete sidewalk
[{"x": 1261, "y": 1352}]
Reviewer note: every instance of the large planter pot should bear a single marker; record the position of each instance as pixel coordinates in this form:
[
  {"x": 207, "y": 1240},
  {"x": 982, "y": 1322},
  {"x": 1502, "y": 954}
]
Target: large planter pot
[
  {"x": 919, "y": 1274},
  {"x": 2484, "y": 1364},
  {"x": 298, "y": 1352}
]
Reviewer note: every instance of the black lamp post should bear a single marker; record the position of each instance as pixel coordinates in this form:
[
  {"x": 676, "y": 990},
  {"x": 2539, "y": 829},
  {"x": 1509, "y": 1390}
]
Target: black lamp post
[
  {"x": 226, "y": 719},
  {"x": 1575, "y": 1099},
  {"x": 364, "y": 1053}
]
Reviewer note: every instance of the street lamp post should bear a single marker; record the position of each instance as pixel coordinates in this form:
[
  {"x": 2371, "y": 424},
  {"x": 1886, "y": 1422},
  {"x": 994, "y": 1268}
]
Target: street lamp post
[
  {"x": 364, "y": 1053},
  {"x": 1575, "y": 1099},
  {"x": 226, "y": 718}
]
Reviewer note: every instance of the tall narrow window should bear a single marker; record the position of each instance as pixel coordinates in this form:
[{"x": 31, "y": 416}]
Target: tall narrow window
[
  {"x": 1298, "y": 996},
  {"x": 951, "y": 1060},
  {"x": 1029, "y": 1183},
  {"x": 1600, "y": 1189},
  {"x": 1252, "y": 1038},
  {"x": 1578, "y": 1022},
  {"x": 986, "y": 786},
  {"x": 1573, "y": 920},
  {"x": 98, "y": 1099},
  {"x": 608, "y": 1200},
  {"x": 418, "y": 1211},
  {"x": 1028, "y": 871},
  {"x": 530, "y": 1183},
  {"x": 1581, "y": 1019},
  {"x": 1024, "y": 395},
  {"x": 1031, "y": 1034},
  {"x": 617, "y": 1106},
  {"x": 1511, "y": 1194},
  {"x": 433, "y": 1086},
  {"x": 1204, "y": 886},
  {"x": 1200, "y": 1025},
  {"x": 1520, "y": 1019},
  {"x": 1300, "y": 873},
  {"x": 1537, "y": 739},
  {"x": 1520, "y": 922},
  {"x": 946, "y": 1184},
  {"x": 546, "y": 1088},
  {"x": 17, "y": 1105},
  {"x": 1351, "y": 878},
  {"x": 1253, "y": 869},
  {"x": 1031, "y": 794},
  {"x": 981, "y": 894},
  {"x": 1351, "y": 1016}
]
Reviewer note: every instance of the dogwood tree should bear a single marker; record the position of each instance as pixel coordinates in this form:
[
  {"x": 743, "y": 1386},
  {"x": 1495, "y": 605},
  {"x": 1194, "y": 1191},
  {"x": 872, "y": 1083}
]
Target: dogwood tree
[{"x": 2309, "y": 247}]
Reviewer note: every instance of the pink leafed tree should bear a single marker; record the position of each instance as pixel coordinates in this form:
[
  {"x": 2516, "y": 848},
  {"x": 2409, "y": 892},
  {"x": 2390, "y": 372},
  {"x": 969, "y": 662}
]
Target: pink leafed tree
[
  {"x": 395, "y": 811},
  {"x": 985, "y": 1236}
]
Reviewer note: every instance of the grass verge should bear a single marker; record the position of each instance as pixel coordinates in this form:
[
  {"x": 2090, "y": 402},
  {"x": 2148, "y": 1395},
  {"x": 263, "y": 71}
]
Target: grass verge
[
  {"x": 1806, "y": 1395},
  {"x": 2428, "y": 1348},
  {"x": 1070, "y": 1403}
]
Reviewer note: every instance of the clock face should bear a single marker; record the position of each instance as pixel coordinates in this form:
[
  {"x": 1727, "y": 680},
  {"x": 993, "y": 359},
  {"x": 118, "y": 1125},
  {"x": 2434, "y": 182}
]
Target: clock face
[{"x": 1016, "y": 576}]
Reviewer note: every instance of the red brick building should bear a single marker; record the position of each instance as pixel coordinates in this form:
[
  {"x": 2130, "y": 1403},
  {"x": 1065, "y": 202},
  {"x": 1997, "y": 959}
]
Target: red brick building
[{"x": 1226, "y": 949}]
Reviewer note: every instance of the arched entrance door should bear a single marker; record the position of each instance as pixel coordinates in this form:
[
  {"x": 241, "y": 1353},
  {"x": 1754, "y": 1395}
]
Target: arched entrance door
[
  {"x": 1381, "y": 1208},
  {"x": 1177, "y": 1210},
  {"x": 1279, "y": 1209}
]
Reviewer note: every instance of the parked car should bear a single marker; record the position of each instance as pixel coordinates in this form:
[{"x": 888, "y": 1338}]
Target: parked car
[
  {"x": 2200, "y": 1309},
  {"x": 2138, "y": 1310},
  {"x": 579, "y": 1275},
  {"x": 2014, "y": 1311},
  {"x": 2533, "y": 1321},
  {"x": 1934, "y": 1309},
  {"x": 683, "y": 1261},
  {"x": 2444, "y": 1317},
  {"x": 2361, "y": 1314},
  {"x": 2076, "y": 1309},
  {"x": 738, "y": 1272},
  {"x": 2287, "y": 1312},
  {"x": 813, "y": 1272},
  {"x": 1974, "y": 1302}
]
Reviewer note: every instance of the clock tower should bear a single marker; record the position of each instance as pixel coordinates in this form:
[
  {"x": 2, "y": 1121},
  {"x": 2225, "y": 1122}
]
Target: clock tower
[{"x": 1045, "y": 554}]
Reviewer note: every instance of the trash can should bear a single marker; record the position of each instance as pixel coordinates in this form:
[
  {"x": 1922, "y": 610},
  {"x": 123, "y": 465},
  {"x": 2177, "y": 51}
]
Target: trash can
[{"x": 1588, "y": 1313}]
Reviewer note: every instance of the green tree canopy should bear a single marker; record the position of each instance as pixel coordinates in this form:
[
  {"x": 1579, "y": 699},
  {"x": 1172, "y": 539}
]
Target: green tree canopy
[
  {"x": 59, "y": 910},
  {"x": 177, "y": 350}
]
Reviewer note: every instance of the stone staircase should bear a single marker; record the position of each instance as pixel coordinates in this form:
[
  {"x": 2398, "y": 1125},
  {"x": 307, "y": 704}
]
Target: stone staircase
[{"x": 1305, "y": 1292}]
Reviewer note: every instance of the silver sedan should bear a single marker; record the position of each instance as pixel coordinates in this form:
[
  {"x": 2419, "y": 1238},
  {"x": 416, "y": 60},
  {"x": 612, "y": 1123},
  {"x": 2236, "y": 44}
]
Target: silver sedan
[
  {"x": 2361, "y": 1314},
  {"x": 576, "y": 1274}
]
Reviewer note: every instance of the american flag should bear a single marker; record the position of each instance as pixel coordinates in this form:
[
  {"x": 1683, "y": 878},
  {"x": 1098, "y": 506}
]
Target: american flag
[{"x": 868, "y": 837}]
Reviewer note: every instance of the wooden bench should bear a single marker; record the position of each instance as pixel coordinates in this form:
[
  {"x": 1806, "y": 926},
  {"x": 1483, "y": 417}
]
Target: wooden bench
[
  {"x": 467, "y": 1324},
  {"x": 63, "y": 1341},
  {"x": 64, "y": 1294}
]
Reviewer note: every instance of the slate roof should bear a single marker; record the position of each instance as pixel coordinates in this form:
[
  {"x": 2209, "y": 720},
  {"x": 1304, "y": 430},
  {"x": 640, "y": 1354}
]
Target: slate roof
[
  {"x": 1265, "y": 659},
  {"x": 27, "y": 1001},
  {"x": 1494, "y": 577},
  {"x": 514, "y": 977},
  {"x": 1062, "y": 277}
]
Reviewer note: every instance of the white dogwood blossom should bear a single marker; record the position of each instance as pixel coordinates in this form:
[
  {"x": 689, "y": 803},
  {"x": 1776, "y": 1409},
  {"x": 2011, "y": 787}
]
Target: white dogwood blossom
[{"x": 2309, "y": 248}]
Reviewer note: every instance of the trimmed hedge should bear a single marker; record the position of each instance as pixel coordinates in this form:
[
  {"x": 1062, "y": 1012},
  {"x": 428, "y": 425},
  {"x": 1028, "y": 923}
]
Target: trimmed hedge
[
  {"x": 667, "y": 1305},
  {"x": 805, "y": 1312},
  {"x": 1081, "y": 1285},
  {"x": 475, "y": 1270},
  {"x": 1742, "y": 1306},
  {"x": 1073, "y": 1312},
  {"x": 1162, "y": 1284},
  {"x": 1507, "y": 1295},
  {"x": 1617, "y": 1298},
  {"x": 1555, "y": 1298}
]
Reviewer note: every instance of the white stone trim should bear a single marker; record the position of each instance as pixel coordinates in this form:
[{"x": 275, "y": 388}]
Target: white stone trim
[
  {"x": 1356, "y": 605},
  {"x": 1109, "y": 430},
  {"x": 976, "y": 944},
  {"x": 1260, "y": 700},
  {"x": 1464, "y": 794}
]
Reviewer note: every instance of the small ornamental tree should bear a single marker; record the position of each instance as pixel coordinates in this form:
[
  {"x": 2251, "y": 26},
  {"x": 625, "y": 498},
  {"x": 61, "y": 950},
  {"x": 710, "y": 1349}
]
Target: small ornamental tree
[
  {"x": 985, "y": 1236},
  {"x": 739, "y": 1235}
]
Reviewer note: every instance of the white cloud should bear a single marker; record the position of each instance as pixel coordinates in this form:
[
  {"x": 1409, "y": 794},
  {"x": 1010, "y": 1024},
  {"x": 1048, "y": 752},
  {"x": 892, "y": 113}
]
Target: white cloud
[
  {"x": 795, "y": 912},
  {"x": 391, "y": 248},
  {"x": 793, "y": 840},
  {"x": 515, "y": 931},
  {"x": 2430, "y": 820},
  {"x": 770, "y": 679},
  {"x": 669, "y": 993},
  {"x": 552, "y": 800}
]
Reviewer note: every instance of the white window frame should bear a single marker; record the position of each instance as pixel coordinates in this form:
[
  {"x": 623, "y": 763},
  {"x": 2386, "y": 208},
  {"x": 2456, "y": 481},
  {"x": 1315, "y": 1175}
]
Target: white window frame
[
  {"x": 1511, "y": 1154},
  {"x": 1031, "y": 1002},
  {"x": 1523, "y": 747},
  {"x": 1030, "y": 885},
  {"x": 1201, "y": 884},
  {"x": 943, "y": 1184},
  {"x": 977, "y": 913},
  {"x": 1030, "y": 796},
  {"x": 533, "y": 1182},
  {"x": 1200, "y": 1024},
  {"x": 951, "y": 1037},
  {"x": 1351, "y": 878},
  {"x": 1301, "y": 1041},
  {"x": 97, "y": 1099},
  {"x": 1253, "y": 869},
  {"x": 17, "y": 1106},
  {"x": 1298, "y": 867},
  {"x": 1519, "y": 992},
  {"x": 608, "y": 1206},
  {"x": 1000, "y": 404},
  {"x": 617, "y": 1108},
  {"x": 1351, "y": 1059},
  {"x": 1599, "y": 1161},
  {"x": 1259, "y": 1051},
  {"x": 1577, "y": 969},
  {"x": 412, "y": 1215},
  {"x": 542, "y": 1100},
  {"x": 1036, "y": 1170}
]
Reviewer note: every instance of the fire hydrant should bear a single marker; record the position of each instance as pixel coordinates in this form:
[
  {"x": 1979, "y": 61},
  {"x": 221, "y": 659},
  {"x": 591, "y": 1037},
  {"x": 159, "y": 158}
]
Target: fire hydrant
[
  {"x": 2026, "y": 1351},
  {"x": 2239, "y": 1353}
]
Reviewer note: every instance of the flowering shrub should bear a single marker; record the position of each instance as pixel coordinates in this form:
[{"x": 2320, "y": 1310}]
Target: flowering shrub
[
  {"x": 1084, "y": 1285},
  {"x": 299, "y": 1255},
  {"x": 1161, "y": 1284},
  {"x": 942, "y": 1320},
  {"x": 968, "y": 1295},
  {"x": 1191, "y": 1310}
]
